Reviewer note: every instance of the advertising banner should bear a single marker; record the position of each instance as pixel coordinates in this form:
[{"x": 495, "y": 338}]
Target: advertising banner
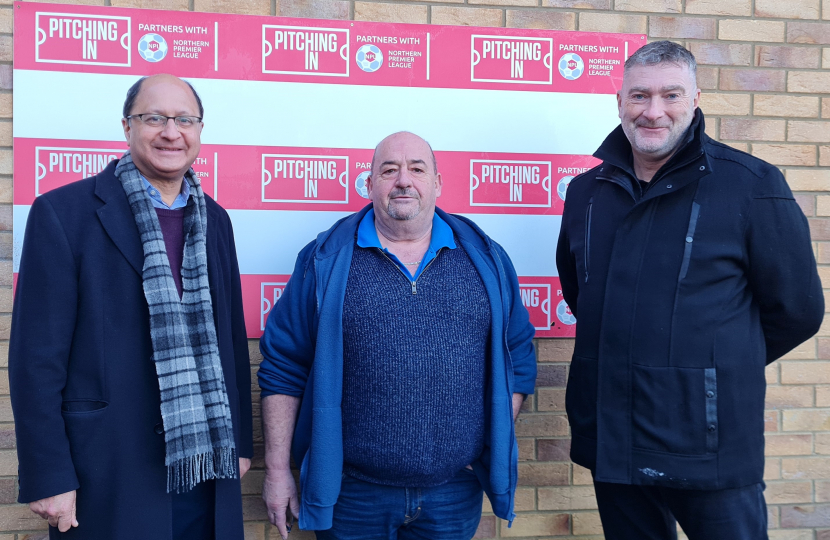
[{"x": 295, "y": 107}]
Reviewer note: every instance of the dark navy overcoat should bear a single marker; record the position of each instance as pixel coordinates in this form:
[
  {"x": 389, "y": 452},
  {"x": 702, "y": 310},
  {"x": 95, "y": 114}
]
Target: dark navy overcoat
[
  {"x": 84, "y": 389},
  {"x": 682, "y": 296}
]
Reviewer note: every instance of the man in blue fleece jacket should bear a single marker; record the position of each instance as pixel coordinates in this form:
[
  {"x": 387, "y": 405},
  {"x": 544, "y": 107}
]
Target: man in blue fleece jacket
[{"x": 394, "y": 366}]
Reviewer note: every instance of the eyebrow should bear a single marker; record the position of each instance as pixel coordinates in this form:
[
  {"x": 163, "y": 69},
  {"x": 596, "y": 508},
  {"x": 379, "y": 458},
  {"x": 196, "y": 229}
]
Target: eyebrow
[
  {"x": 644, "y": 90},
  {"x": 410, "y": 162}
]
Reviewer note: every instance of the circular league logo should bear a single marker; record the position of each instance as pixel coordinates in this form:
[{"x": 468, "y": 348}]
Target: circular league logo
[
  {"x": 562, "y": 186},
  {"x": 563, "y": 313},
  {"x": 571, "y": 66},
  {"x": 152, "y": 47},
  {"x": 369, "y": 58},
  {"x": 360, "y": 184}
]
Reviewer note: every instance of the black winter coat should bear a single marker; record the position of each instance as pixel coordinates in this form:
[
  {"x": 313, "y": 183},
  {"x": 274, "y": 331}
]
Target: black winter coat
[
  {"x": 682, "y": 294},
  {"x": 84, "y": 388}
]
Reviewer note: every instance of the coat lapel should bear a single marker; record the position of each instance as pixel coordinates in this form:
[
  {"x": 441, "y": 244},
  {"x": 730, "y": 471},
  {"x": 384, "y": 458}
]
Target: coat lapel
[{"x": 117, "y": 217}]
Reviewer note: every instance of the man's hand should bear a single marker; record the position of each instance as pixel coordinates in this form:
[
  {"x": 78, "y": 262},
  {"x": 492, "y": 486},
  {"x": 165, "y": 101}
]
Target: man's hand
[
  {"x": 59, "y": 510},
  {"x": 244, "y": 465},
  {"x": 518, "y": 401},
  {"x": 279, "y": 491}
]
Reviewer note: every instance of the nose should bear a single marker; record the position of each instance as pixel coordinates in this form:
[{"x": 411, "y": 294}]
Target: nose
[
  {"x": 404, "y": 178},
  {"x": 654, "y": 110},
  {"x": 171, "y": 130}
]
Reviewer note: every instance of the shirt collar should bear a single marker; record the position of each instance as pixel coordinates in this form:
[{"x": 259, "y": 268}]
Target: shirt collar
[
  {"x": 367, "y": 235},
  {"x": 155, "y": 196}
]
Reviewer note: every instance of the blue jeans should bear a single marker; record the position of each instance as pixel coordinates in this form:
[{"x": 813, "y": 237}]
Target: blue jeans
[
  {"x": 649, "y": 512},
  {"x": 366, "y": 511}
]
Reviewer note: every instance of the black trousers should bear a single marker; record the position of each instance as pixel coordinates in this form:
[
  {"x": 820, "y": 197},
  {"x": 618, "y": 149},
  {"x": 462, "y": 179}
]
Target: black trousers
[
  {"x": 193, "y": 512},
  {"x": 652, "y": 513}
]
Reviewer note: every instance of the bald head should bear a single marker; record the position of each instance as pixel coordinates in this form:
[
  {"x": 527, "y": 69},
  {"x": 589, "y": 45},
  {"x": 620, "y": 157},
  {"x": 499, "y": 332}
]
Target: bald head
[
  {"x": 135, "y": 89},
  {"x": 407, "y": 138}
]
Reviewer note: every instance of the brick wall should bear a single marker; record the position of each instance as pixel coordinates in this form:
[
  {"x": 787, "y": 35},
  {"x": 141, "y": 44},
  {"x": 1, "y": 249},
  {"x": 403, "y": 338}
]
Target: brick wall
[{"x": 765, "y": 75}]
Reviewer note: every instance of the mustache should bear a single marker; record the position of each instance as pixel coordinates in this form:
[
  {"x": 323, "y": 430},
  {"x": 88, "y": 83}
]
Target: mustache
[
  {"x": 404, "y": 192},
  {"x": 645, "y": 124}
]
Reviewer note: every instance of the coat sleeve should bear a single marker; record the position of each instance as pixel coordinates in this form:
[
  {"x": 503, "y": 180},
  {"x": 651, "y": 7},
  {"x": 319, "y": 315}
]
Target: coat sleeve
[
  {"x": 782, "y": 271},
  {"x": 242, "y": 360},
  {"x": 520, "y": 334},
  {"x": 43, "y": 324},
  {"x": 287, "y": 345},
  {"x": 566, "y": 267}
]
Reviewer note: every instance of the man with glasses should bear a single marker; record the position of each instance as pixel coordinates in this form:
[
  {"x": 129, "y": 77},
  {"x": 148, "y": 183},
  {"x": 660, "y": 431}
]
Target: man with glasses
[{"x": 128, "y": 361}]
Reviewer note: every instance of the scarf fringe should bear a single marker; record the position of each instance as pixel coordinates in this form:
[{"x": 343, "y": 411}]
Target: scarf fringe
[{"x": 185, "y": 473}]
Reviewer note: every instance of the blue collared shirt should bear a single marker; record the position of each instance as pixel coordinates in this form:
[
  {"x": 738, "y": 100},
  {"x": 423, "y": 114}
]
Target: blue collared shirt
[
  {"x": 367, "y": 237},
  {"x": 155, "y": 196}
]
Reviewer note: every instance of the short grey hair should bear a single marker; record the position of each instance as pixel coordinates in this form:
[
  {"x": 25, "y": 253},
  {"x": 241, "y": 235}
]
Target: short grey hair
[{"x": 661, "y": 52}]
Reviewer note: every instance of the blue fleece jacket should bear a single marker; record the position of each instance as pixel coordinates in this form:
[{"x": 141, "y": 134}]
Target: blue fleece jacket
[{"x": 302, "y": 350}]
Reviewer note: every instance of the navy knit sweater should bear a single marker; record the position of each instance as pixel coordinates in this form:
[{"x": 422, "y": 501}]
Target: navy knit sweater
[{"x": 414, "y": 374}]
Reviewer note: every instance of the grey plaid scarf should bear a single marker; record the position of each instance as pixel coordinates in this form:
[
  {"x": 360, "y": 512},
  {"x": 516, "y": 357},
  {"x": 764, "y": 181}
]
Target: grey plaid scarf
[{"x": 194, "y": 404}]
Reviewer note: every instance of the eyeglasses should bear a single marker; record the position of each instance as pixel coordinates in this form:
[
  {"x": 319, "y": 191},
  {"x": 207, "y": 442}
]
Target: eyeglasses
[{"x": 183, "y": 123}]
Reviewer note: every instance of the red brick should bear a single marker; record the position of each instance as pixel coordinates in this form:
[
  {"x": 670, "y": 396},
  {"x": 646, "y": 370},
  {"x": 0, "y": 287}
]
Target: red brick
[
  {"x": 7, "y": 439},
  {"x": 770, "y": 421},
  {"x": 569, "y": 498},
  {"x": 742, "y": 129},
  {"x": 537, "y": 425},
  {"x": 543, "y": 474},
  {"x": 553, "y": 449},
  {"x": 20, "y": 518},
  {"x": 554, "y": 350},
  {"x": 313, "y": 9},
  {"x": 707, "y": 77},
  {"x": 578, "y": 4},
  {"x": 753, "y": 80},
  {"x": 804, "y": 516},
  {"x": 527, "y": 449},
  {"x": 528, "y": 525},
  {"x": 808, "y": 32},
  {"x": 541, "y": 19},
  {"x": 727, "y": 54},
  {"x": 550, "y": 399},
  {"x": 790, "y": 9},
  {"x": 551, "y": 375},
  {"x": 6, "y": 77},
  {"x": 819, "y": 228},
  {"x": 241, "y": 7},
  {"x": 180, "y": 5},
  {"x": 787, "y": 57},
  {"x": 464, "y": 16},
  {"x": 682, "y": 28}
]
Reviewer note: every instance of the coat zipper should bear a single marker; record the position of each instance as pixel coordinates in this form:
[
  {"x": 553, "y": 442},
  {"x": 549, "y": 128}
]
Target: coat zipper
[
  {"x": 414, "y": 282},
  {"x": 690, "y": 236},
  {"x": 588, "y": 213}
]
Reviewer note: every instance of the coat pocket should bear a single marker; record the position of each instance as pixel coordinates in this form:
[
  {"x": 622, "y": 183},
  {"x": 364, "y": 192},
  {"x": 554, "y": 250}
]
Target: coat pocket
[
  {"x": 674, "y": 409},
  {"x": 581, "y": 397}
]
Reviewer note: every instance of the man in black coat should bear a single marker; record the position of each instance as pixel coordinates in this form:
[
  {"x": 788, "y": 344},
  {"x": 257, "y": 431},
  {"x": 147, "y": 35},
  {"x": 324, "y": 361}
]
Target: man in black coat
[
  {"x": 689, "y": 268},
  {"x": 128, "y": 363}
]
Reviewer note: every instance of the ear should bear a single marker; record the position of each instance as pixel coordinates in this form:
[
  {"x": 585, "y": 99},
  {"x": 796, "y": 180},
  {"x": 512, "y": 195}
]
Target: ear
[
  {"x": 619, "y": 103},
  {"x": 125, "y": 123},
  {"x": 696, "y": 98},
  {"x": 439, "y": 183},
  {"x": 369, "y": 185}
]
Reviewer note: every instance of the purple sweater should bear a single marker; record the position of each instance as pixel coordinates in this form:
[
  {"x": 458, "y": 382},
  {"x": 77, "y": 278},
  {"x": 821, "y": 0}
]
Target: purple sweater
[{"x": 172, "y": 228}]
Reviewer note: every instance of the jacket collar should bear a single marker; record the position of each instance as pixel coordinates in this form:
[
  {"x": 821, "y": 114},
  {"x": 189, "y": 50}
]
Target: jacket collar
[
  {"x": 618, "y": 167},
  {"x": 343, "y": 232},
  {"x": 116, "y": 217}
]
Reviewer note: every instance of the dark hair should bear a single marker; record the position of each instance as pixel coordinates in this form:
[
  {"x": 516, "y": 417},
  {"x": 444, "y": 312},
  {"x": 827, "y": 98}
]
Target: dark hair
[
  {"x": 132, "y": 95},
  {"x": 663, "y": 51}
]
